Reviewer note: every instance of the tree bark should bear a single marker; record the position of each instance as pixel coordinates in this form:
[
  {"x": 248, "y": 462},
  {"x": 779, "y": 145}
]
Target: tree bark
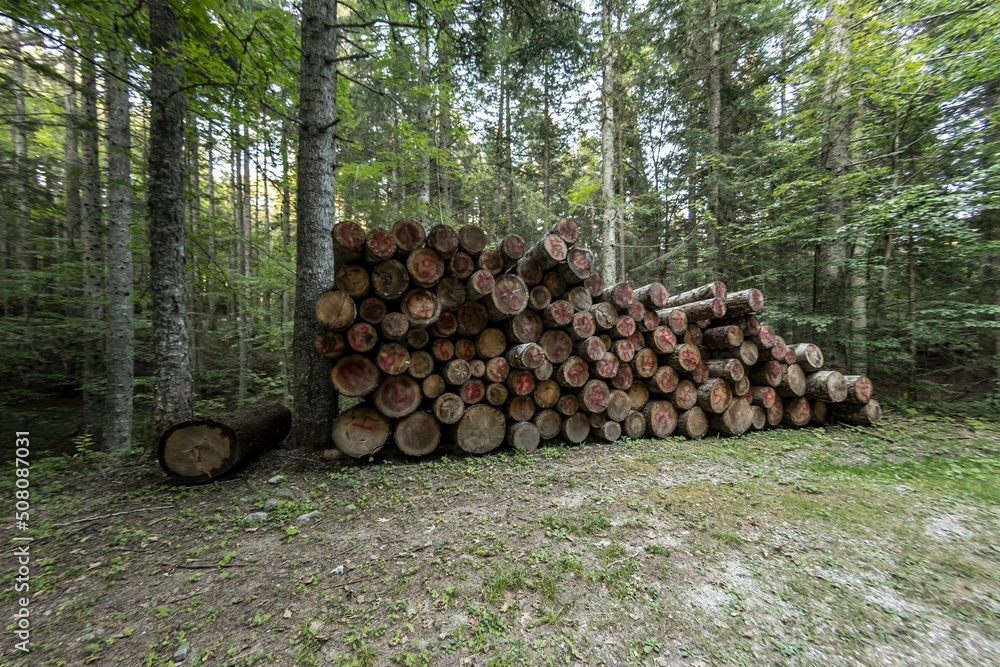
[
  {"x": 609, "y": 223},
  {"x": 172, "y": 391},
  {"x": 121, "y": 334}
]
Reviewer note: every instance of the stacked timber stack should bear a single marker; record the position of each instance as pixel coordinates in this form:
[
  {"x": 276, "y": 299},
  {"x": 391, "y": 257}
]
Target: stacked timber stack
[{"x": 448, "y": 340}]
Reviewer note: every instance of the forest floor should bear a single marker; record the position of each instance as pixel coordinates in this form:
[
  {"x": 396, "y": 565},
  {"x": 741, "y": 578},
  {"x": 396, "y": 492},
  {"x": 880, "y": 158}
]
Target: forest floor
[{"x": 834, "y": 546}]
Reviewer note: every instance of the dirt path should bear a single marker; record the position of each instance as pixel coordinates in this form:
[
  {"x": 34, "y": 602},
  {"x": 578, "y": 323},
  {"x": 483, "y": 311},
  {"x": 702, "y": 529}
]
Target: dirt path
[{"x": 784, "y": 548}]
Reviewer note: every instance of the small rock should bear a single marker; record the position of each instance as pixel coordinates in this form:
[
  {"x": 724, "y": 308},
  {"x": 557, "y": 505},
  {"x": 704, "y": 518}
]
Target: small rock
[
  {"x": 305, "y": 518},
  {"x": 333, "y": 455},
  {"x": 277, "y": 479},
  {"x": 337, "y": 570},
  {"x": 182, "y": 652},
  {"x": 284, "y": 492},
  {"x": 255, "y": 516},
  {"x": 271, "y": 503}
]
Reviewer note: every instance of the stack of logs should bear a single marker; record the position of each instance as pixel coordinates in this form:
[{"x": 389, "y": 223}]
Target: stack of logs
[{"x": 446, "y": 339}]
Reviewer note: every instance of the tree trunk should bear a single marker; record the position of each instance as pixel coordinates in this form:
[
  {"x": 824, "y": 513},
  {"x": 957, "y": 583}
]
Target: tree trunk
[
  {"x": 609, "y": 223},
  {"x": 201, "y": 450},
  {"x": 121, "y": 335},
  {"x": 172, "y": 391}
]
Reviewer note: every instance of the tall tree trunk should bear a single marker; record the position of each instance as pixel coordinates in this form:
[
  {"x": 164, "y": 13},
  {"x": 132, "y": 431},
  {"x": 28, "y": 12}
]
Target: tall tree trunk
[
  {"x": 830, "y": 290},
  {"x": 691, "y": 229},
  {"x": 312, "y": 394},
  {"x": 245, "y": 305},
  {"x": 211, "y": 321},
  {"x": 71, "y": 154},
  {"x": 444, "y": 142},
  {"x": 424, "y": 110},
  {"x": 286, "y": 239},
  {"x": 121, "y": 335},
  {"x": 172, "y": 389},
  {"x": 92, "y": 242},
  {"x": 196, "y": 302},
  {"x": 14, "y": 227},
  {"x": 714, "y": 229},
  {"x": 610, "y": 220},
  {"x": 546, "y": 138}
]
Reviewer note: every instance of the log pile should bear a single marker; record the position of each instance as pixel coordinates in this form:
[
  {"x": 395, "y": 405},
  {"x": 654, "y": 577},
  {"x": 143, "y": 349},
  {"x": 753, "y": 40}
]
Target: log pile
[{"x": 449, "y": 340}]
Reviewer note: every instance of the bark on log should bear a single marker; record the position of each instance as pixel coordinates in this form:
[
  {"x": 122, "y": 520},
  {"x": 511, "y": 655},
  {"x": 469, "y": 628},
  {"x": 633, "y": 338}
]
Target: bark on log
[
  {"x": 354, "y": 375},
  {"x": 714, "y": 395},
  {"x": 763, "y": 396},
  {"x": 595, "y": 283},
  {"x": 200, "y": 450},
  {"x": 576, "y": 428},
  {"x": 544, "y": 372},
  {"x": 417, "y": 434},
  {"x": 526, "y": 356},
  {"x": 523, "y": 436},
  {"x": 620, "y": 296},
  {"x": 722, "y": 338},
  {"x": 471, "y": 239},
  {"x": 549, "y": 251},
  {"x": 390, "y": 280},
  {"x": 608, "y": 431},
  {"x": 650, "y": 322},
  {"x": 567, "y": 230},
  {"x": 859, "y": 389},
  {"x": 481, "y": 429},
  {"x": 777, "y": 352},
  {"x": 548, "y": 423},
  {"x": 479, "y": 284},
  {"x": 808, "y": 356},
  {"x": 353, "y": 280},
  {"x": 735, "y": 420},
  {"x": 703, "y": 310},
  {"x": 769, "y": 374},
  {"x": 793, "y": 382},
  {"x": 797, "y": 412},
  {"x": 408, "y": 234},
  {"x": 716, "y": 290},
  {"x": 528, "y": 271},
  {"x": 579, "y": 298},
  {"x": 336, "y": 310},
  {"x": 393, "y": 359},
  {"x": 747, "y": 352},
  {"x": 827, "y": 386},
  {"x": 360, "y": 431},
  {"x": 685, "y": 357},
  {"x": 578, "y": 266},
  {"x": 398, "y": 396},
  {"x": 444, "y": 239},
  {"x": 764, "y": 337},
  {"x": 653, "y": 296},
  {"x": 512, "y": 248},
  {"x": 685, "y": 396},
  {"x": 741, "y": 387},
  {"x": 661, "y": 340},
  {"x": 728, "y": 369},
  {"x": 661, "y": 419},
  {"x": 692, "y": 423},
  {"x": 744, "y": 302},
  {"x": 582, "y": 327},
  {"x": 332, "y": 344},
  {"x": 859, "y": 415}
]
